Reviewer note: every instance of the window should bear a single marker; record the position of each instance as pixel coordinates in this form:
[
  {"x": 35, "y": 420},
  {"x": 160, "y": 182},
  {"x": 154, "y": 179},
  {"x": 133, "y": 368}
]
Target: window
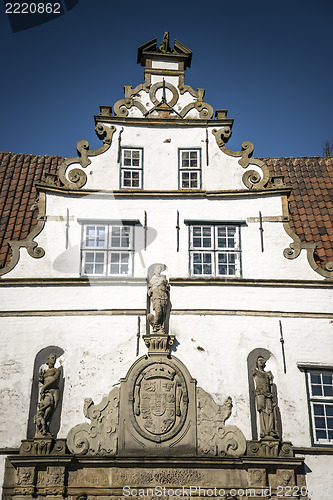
[
  {"x": 320, "y": 385},
  {"x": 107, "y": 250},
  {"x": 189, "y": 168},
  {"x": 215, "y": 250},
  {"x": 131, "y": 168}
]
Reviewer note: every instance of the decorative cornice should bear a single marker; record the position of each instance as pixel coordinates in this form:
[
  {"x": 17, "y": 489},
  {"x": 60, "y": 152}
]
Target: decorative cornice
[
  {"x": 174, "y": 312},
  {"x": 29, "y": 243},
  {"x": 76, "y": 178},
  {"x": 251, "y": 178},
  {"x": 294, "y": 249},
  {"x": 166, "y": 122},
  {"x": 166, "y": 194},
  {"x": 91, "y": 281}
]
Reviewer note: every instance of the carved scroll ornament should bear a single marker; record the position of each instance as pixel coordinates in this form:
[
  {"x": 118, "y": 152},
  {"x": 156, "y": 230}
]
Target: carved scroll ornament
[
  {"x": 214, "y": 437},
  {"x": 100, "y": 437},
  {"x": 251, "y": 178},
  {"x": 33, "y": 249},
  {"x": 121, "y": 107},
  {"x": 77, "y": 178},
  {"x": 295, "y": 248}
]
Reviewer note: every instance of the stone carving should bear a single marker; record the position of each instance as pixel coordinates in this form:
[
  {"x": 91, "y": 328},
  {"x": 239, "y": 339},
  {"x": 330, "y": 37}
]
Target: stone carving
[
  {"x": 51, "y": 481},
  {"x": 101, "y": 436},
  {"x": 160, "y": 402},
  {"x": 285, "y": 477},
  {"x": 165, "y": 47},
  {"x": 157, "y": 407},
  {"x": 25, "y": 477},
  {"x": 214, "y": 437},
  {"x": 77, "y": 178},
  {"x": 49, "y": 397},
  {"x": 33, "y": 249},
  {"x": 264, "y": 400},
  {"x": 257, "y": 477},
  {"x": 163, "y": 108},
  {"x": 159, "y": 292},
  {"x": 269, "y": 448},
  {"x": 251, "y": 178},
  {"x": 43, "y": 446}
]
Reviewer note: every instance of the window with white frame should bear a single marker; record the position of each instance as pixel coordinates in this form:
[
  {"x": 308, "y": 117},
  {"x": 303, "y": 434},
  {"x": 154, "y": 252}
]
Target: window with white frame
[
  {"x": 320, "y": 385},
  {"x": 215, "y": 250},
  {"x": 107, "y": 250},
  {"x": 131, "y": 168},
  {"x": 189, "y": 168}
]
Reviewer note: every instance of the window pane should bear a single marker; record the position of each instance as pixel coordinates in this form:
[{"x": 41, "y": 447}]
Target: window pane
[
  {"x": 315, "y": 379},
  {"x": 328, "y": 391},
  {"x": 316, "y": 390},
  {"x": 327, "y": 379},
  {"x": 321, "y": 434},
  {"x": 329, "y": 410},
  {"x": 318, "y": 409},
  {"x": 320, "y": 423}
]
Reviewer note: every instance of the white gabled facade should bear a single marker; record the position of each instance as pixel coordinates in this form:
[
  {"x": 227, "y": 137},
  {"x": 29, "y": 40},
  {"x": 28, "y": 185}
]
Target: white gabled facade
[{"x": 165, "y": 189}]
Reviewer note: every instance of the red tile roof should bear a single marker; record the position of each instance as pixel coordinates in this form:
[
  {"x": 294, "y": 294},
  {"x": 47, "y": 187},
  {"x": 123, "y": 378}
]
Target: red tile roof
[
  {"x": 18, "y": 175},
  {"x": 311, "y": 201}
]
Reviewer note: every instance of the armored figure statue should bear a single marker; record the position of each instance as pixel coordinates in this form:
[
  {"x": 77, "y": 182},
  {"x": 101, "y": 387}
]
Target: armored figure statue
[
  {"x": 159, "y": 291},
  {"x": 49, "y": 396},
  {"x": 264, "y": 400}
]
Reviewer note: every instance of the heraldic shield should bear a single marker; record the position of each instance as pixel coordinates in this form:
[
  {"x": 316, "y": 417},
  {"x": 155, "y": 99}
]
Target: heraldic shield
[
  {"x": 157, "y": 407},
  {"x": 159, "y": 397}
]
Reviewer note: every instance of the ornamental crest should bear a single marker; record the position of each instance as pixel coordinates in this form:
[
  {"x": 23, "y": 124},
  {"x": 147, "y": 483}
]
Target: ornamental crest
[{"x": 160, "y": 402}]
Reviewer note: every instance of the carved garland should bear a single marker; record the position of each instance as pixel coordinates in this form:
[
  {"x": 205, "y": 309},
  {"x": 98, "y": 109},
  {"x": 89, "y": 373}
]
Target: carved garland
[
  {"x": 251, "y": 179},
  {"x": 76, "y": 178},
  {"x": 29, "y": 243}
]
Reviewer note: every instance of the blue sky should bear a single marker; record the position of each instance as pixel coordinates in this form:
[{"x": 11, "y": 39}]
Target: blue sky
[{"x": 268, "y": 62}]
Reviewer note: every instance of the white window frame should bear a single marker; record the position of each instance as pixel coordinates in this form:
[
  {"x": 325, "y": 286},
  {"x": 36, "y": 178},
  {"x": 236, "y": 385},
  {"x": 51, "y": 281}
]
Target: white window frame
[
  {"x": 190, "y": 170},
  {"x": 320, "y": 400},
  {"x": 213, "y": 251},
  {"x": 131, "y": 169},
  {"x": 110, "y": 249}
]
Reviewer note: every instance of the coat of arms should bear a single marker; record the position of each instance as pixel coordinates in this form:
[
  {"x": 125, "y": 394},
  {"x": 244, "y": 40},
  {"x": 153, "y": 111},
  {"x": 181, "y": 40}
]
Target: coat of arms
[{"x": 160, "y": 401}]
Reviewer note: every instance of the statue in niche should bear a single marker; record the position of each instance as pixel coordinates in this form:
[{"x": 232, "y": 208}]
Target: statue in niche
[
  {"x": 49, "y": 396},
  {"x": 159, "y": 292},
  {"x": 264, "y": 399}
]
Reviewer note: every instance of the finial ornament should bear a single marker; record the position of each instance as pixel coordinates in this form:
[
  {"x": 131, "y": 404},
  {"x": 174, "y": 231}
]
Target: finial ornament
[
  {"x": 264, "y": 400},
  {"x": 165, "y": 46}
]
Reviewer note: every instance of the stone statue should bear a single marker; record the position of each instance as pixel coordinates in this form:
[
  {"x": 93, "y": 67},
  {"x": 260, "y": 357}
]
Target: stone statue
[
  {"x": 49, "y": 397},
  {"x": 159, "y": 291},
  {"x": 165, "y": 47},
  {"x": 264, "y": 399}
]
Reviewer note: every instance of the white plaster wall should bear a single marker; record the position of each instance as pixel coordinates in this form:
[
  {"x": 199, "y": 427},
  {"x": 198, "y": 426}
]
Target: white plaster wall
[
  {"x": 189, "y": 297},
  {"x": 98, "y": 351},
  {"x": 160, "y": 162},
  {"x": 319, "y": 477},
  {"x": 162, "y": 234}
]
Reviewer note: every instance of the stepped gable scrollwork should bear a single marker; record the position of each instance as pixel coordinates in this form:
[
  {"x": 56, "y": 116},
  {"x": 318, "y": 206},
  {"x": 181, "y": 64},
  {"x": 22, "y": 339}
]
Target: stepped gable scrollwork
[
  {"x": 252, "y": 179},
  {"x": 76, "y": 178},
  {"x": 165, "y": 97}
]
